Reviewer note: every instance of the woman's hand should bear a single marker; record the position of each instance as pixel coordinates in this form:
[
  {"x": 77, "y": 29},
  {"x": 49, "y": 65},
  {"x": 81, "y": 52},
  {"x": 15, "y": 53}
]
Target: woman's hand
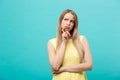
[
  {"x": 54, "y": 71},
  {"x": 61, "y": 69},
  {"x": 65, "y": 35}
]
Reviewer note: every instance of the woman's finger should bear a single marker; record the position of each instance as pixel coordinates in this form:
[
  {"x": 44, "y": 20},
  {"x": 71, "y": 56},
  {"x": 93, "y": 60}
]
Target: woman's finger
[
  {"x": 68, "y": 33},
  {"x": 63, "y": 30}
]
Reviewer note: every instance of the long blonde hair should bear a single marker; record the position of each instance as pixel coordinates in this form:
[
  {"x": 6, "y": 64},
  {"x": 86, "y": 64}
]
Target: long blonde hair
[{"x": 74, "y": 32}]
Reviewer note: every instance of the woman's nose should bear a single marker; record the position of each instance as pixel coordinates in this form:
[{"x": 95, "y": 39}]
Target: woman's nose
[{"x": 68, "y": 22}]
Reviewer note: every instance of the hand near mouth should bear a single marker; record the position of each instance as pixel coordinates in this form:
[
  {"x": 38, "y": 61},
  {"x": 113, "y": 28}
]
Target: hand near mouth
[{"x": 65, "y": 35}]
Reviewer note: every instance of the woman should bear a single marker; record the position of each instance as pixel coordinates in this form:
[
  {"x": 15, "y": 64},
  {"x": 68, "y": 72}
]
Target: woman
[{"x": 69, "y": 53}]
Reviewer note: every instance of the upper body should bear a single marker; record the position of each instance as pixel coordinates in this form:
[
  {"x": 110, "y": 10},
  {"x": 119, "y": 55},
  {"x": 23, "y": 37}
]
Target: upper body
[{"x": 68, "y": 33}]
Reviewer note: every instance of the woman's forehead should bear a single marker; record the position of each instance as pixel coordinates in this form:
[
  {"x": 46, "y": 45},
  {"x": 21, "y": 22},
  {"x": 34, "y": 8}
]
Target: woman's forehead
[{"x": 69, "y": 15}]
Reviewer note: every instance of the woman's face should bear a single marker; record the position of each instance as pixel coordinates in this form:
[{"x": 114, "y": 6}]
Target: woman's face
[{"x": 67, "y": 22}]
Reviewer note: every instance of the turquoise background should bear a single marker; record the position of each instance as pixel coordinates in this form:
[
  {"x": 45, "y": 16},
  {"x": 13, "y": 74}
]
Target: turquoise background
[{"x": 27, "y": 25}]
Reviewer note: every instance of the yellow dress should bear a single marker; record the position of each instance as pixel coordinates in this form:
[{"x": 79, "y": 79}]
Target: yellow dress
[{"x": 71, "y": 57}]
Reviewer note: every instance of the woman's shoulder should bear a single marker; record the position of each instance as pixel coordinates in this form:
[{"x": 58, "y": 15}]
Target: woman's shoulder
[
  {"x": 81, "y": 36},
  {"x": 52, "y": 40},
  {"x": 83, "y": 39}
]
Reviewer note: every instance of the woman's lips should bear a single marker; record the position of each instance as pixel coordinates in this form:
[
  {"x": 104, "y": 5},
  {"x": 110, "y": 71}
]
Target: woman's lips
[{"x": 66, "y": 28}]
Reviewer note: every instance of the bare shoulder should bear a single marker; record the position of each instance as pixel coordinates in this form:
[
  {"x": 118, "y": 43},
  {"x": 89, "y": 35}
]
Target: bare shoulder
[
  {"x": 52, "y": 42},
  {"x": 83, "y": 38}
]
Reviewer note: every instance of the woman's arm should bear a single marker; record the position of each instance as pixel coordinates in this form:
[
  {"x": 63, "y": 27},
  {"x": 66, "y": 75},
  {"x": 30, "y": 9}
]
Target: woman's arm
[
  {"x": 56, "y": 58},
  {"x": 87, "y": 65},
  {"x": 76, "y": 68}
]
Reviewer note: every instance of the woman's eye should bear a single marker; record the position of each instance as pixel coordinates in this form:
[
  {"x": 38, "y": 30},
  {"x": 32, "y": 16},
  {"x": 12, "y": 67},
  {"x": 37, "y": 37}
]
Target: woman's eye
[
  {"x": 72, "y": 21},
  {"x": 65, "y": 19}
]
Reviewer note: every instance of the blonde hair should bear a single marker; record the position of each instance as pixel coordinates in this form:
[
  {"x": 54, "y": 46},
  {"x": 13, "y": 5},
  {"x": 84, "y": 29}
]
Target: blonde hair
[{"x": 73, "y": 32}]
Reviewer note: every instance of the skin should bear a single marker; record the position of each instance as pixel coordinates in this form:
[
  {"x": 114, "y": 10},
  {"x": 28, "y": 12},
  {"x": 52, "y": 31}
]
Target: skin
[
  {"x": 67, "y": 25},
  {"x": 67, "y": 22},
  {"x": 56, "y": 57}
]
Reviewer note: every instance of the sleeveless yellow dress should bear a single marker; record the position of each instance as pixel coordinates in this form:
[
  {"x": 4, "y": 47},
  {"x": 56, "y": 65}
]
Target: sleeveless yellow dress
[{"x": 71, "y": 57}]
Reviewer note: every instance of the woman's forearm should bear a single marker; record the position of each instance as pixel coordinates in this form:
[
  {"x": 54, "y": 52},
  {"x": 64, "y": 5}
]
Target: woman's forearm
[
  {"x": 59, "y": 56},
  {"x": 77, "y": 68}
]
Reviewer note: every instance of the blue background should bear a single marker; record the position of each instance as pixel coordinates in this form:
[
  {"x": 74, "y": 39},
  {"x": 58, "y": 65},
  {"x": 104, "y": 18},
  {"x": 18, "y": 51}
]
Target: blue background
[{"x": 27, "y": 25}]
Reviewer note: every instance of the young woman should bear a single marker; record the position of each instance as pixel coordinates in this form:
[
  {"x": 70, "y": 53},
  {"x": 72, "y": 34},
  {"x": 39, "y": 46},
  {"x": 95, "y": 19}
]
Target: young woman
[{"x": 69, "y": 52}]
